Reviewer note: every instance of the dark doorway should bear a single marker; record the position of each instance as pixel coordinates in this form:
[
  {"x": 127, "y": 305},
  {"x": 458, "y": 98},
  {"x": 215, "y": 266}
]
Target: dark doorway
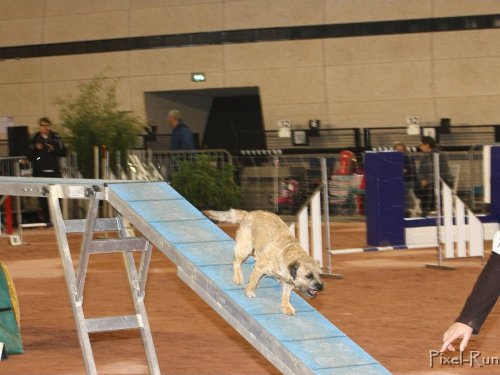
[
  {"x": 228, "y": 118},
  {"x": 235, "y": 123}
]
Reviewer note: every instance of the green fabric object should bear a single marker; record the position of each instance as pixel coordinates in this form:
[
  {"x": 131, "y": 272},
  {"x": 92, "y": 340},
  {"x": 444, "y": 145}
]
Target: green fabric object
[{"x": 10, "y": 333}]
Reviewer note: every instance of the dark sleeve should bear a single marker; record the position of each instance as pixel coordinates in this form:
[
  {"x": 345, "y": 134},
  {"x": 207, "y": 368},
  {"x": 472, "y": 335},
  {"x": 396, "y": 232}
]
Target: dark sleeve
[
  {"x": 444, "y": 168},
  {"x": 59, "y": 148},
  {"x": 413, "y": 170},
  {"x": 33, "y": 152},
  {"x": 483, "y": 296},
  {"x": 424, "y": 167},
  {"x": 186, "y": 139}
]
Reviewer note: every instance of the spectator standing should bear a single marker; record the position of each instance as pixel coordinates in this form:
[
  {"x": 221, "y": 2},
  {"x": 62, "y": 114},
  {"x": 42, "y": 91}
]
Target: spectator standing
[
  {"x": 182, "y": 137},
  {"x": 425, "y": 175},
  {"x": 46, "y": 149},
  {"x": 409, "y": 174}
]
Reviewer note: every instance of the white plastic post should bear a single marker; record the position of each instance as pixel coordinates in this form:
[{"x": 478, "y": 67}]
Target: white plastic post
[
  {"x": 461, "y": 228},
  {"x": 317, "y": 237},
  {"x": 304, "y": 229},
  {"x": 486, "y": 174},
  {"x": 476, "y": 235},
  {"x": 496, "y": 243},
  {"x": 449, "y": 245}
]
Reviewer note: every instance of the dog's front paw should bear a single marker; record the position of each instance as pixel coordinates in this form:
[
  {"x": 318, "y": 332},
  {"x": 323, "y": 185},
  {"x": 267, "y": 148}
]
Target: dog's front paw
[
  {"x": 249, "y": 293},
  {"x": 237, "y": 279},
  {"x": 288, "y": 309}
]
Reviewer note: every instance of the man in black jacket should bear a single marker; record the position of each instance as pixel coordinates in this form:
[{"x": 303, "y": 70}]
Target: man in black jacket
[
  {"x": 424, "y": 189},
  {"x": 46, "y": 148},
  {"x": 479, "y": 303}
]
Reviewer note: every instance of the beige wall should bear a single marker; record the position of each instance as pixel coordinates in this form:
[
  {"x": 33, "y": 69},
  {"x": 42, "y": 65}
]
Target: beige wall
[{"x": 345, "y": 82}]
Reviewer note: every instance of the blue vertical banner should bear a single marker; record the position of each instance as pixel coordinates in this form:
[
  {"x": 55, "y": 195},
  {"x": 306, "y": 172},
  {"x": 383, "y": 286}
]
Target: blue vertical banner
[
  {"x": 495, "y": 181},
  {"x": 385, "y": 199}
]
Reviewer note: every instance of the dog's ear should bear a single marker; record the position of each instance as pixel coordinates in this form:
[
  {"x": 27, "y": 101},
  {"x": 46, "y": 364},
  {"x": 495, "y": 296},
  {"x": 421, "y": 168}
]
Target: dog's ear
[{"x": 292, "y": 268}]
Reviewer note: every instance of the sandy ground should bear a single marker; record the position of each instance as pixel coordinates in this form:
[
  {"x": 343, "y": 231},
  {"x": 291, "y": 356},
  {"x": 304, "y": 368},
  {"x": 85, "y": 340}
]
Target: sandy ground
[{"x": 388, "y": 302}]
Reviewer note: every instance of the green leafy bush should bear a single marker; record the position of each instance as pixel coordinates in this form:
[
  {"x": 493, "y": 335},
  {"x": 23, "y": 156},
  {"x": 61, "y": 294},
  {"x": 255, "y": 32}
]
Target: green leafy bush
[
  {"x": 92, "y": 119},
  {"x": 205, "y": 184}
]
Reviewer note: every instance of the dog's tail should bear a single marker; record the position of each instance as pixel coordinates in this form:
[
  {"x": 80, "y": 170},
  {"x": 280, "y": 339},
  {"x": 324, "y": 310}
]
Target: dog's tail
[{"x": 232, "y": 216}]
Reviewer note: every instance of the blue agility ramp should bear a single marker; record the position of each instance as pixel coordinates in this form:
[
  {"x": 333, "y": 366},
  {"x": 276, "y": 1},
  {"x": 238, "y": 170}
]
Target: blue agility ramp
[{"x": 306, "y": 343}]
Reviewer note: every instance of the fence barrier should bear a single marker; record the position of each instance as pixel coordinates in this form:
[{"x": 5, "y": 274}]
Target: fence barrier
[
  {"x": 454, "y": 236},
  {"x": 462, "y": 232},
  {"x": 458, "y": 231}
]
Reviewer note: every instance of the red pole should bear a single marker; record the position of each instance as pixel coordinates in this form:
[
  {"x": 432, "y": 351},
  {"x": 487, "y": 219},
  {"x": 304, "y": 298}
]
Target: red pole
[{"x": 8, "y": 215}]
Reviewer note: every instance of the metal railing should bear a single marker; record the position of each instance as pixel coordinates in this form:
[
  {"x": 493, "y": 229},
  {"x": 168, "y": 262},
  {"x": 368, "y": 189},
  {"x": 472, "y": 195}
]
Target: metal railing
[
  {"x": 277, "y": 182},
  {"x": 166, "y": 162},
  {"x": 268, "y": 179}
]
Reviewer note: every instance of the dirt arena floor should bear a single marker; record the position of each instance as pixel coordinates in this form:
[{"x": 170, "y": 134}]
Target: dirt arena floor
[{"x": 388, "y": 302}]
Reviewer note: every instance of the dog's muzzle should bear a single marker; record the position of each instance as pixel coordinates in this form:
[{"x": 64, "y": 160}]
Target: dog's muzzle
[{"x": 311, "y": 292}]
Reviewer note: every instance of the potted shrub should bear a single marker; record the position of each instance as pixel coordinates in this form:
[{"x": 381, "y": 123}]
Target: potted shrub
[
  {"x": 92, "y": 119},
  {"x": 205, "y": 184}
]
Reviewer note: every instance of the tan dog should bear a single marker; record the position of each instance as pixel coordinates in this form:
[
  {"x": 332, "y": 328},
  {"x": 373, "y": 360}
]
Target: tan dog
[{"x": 277, "y": 253}]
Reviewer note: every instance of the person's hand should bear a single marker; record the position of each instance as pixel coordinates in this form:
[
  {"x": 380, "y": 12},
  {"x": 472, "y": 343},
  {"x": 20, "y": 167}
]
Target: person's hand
[
  {"x": 424, "y": 183},
  {"x": 39, "y": 146},
  {"x": 456, "y": 331},
  {"x": 50, "y": 147}
]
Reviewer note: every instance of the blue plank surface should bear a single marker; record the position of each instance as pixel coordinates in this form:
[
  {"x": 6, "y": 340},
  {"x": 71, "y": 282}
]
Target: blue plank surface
[
  {"x": 152, "y": 191},
  {"x": 187, "y": 231},
  {"x": 305, "y": 325},
  {"x": 208, "y": 253},
  {"x": 222, "y": 276},
  {"x": 266, "y": 301},
  {"x": 308, "y": 336},
  {"x": 166, "y": 210},
  {"x": 330, "y": 352}
]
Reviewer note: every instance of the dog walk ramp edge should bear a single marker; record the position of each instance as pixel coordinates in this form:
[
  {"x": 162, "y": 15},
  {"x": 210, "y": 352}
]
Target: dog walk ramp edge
[{"x": 306, "y": 343}]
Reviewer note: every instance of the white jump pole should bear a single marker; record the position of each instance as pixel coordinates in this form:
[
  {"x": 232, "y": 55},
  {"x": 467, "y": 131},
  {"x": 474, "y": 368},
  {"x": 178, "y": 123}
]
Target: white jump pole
[
  {"x": 303, "y": 220},
  {"x": 448, "y": 208},
  {"x": 461, "y": 228},
  {"x": 476, "y": 235},
  {"x": 447, "y": 238},
  {"x": 486, "y": 174},
  {"x": 317, "y": 236},
  {"x": 496, "y": 243}
]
